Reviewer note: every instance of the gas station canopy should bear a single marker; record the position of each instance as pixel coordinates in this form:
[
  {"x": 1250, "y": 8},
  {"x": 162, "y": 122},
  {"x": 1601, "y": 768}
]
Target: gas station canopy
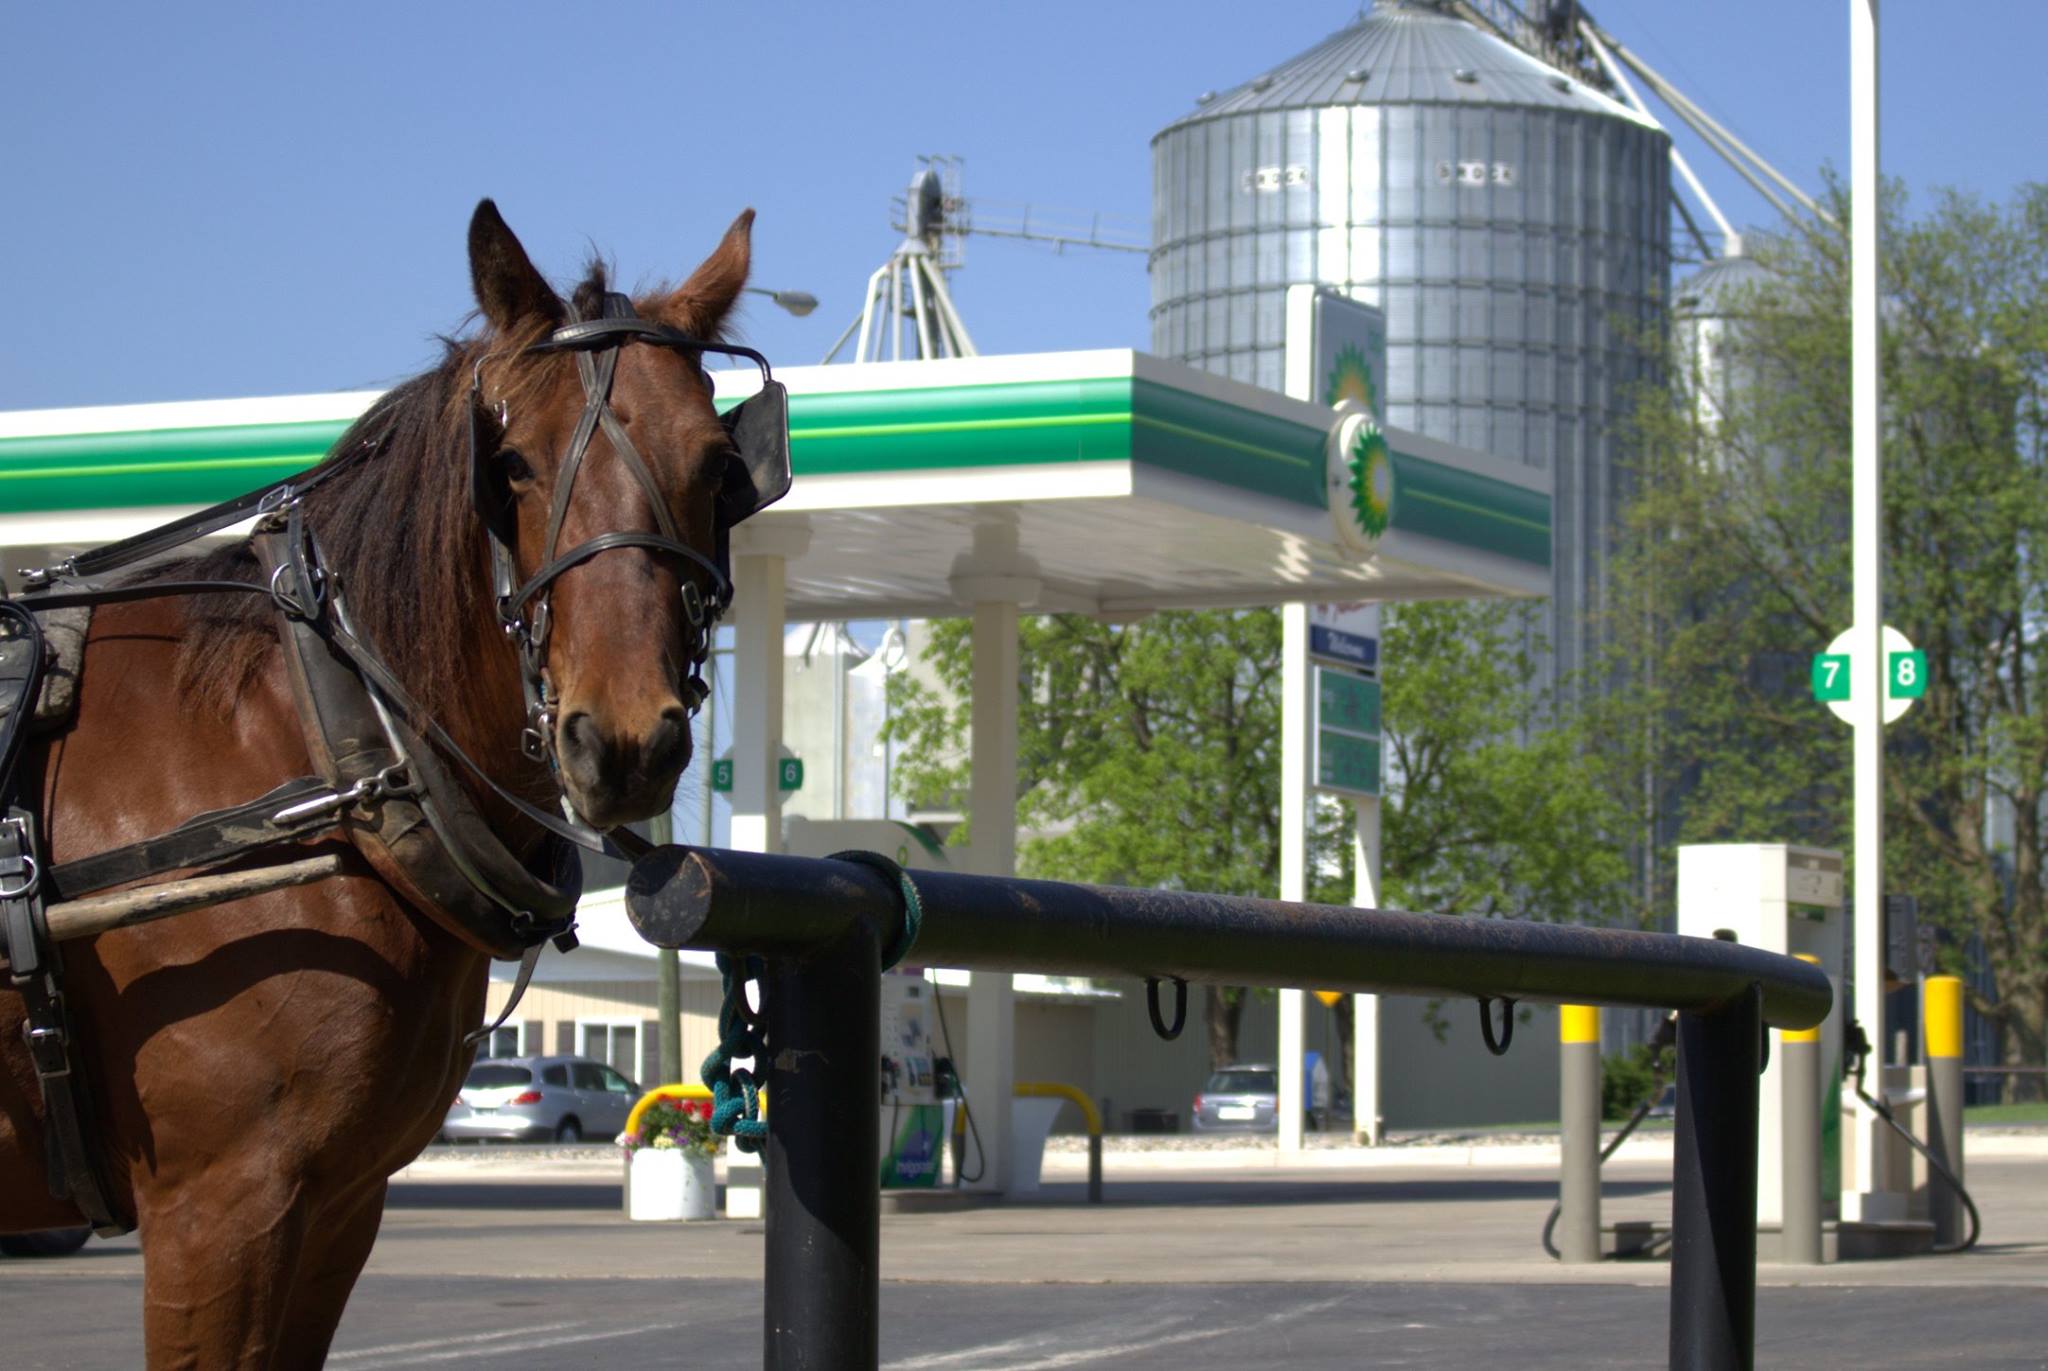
[{"x": 1132, "y": 483}]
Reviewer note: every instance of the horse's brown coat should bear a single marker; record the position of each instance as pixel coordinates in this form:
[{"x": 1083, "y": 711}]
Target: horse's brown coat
[{"x": 262, "y": 1068}]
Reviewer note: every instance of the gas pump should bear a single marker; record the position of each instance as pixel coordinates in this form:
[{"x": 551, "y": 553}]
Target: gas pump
[
  {"x": 1784, "y": 899},
  {"x": 913, "y": 1120},
  {"x": 913, "y": 1124}
]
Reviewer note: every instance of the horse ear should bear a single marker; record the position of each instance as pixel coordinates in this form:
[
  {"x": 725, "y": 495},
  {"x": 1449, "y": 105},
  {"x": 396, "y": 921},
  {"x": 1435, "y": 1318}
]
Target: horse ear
[
  {"x": 508, "y": 289},
  {"x": 698, "y": 307}
]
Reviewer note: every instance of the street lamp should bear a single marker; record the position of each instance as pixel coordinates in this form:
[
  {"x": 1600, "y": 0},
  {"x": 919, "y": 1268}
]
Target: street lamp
[{"x": 797, "y": 302}]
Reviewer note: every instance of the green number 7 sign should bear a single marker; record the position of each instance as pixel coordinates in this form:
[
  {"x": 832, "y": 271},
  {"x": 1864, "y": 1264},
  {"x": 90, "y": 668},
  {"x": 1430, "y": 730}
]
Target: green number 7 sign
[{"x": 1831, "y": 676}]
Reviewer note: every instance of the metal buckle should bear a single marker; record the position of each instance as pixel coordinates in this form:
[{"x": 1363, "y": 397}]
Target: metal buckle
[
  {"x": 281, "y": 498},
  {"x": 48, "y": 1050},
  {"x": 390, "y": 783},
  {"x": 286, "y": 600}
]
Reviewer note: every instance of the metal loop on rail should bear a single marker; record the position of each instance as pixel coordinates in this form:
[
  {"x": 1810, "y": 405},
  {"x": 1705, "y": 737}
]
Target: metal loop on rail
[
  {"x": 31, "y": 880},
  {"x": 1497, "y": 1046},
  {"x": 1180, "y": 1007},
  {"x": 754, "y": 971}
]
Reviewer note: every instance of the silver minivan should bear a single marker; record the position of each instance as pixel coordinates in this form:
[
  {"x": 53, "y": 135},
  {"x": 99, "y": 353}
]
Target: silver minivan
[{"x": 567, "y": 1099}]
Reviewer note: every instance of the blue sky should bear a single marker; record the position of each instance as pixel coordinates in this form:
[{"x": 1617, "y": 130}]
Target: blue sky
[{"x": 239, "y": 199}]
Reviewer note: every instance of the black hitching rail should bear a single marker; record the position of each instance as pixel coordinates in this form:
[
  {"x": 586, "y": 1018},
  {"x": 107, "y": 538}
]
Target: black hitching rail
[
  {"x": 819, "y": 924},
  {"x": 746, "y": 902}
]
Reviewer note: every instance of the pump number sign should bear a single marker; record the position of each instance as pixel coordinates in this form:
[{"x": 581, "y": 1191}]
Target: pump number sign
[
  {"x": 789, "y": 774},
  {"x": 1347, "y": 732},
  {"x": 1905, "y": 676}
]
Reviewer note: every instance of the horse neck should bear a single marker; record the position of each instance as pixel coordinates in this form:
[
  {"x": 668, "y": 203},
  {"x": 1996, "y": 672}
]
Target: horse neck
[{"x": 480, "y": 704}]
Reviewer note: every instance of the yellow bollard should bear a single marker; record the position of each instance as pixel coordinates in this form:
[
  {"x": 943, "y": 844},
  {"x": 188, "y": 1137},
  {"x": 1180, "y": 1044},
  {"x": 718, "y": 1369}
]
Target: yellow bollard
[
  {"x": 1941, "y": 1032},
  {"x": 1578, "y": 1188},
  {"x": 1800, "y": 1111}
]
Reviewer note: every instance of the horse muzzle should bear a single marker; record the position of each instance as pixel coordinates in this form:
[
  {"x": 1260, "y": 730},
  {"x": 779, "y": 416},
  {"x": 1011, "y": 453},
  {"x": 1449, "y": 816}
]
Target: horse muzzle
[{"x": 622, "y": 775}]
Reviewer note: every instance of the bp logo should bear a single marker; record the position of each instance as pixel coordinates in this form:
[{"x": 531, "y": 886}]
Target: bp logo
[
  {"x": 1360, "y": 473},
  {"x": 1350, "y": 379}
]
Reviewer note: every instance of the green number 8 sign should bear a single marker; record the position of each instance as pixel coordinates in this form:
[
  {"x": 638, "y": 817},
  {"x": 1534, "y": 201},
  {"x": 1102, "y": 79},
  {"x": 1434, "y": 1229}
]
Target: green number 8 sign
[{"x": 1908, "y": 675}]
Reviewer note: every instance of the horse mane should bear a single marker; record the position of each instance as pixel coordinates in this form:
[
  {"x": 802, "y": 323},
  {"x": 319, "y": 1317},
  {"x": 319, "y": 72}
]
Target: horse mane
[{"x": 396, "y": 527}]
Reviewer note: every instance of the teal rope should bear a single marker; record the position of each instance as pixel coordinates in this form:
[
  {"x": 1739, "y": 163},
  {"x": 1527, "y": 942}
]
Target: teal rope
[
  {"x": 736, "y": 1091},
  {"x": 913, "y": 907}
]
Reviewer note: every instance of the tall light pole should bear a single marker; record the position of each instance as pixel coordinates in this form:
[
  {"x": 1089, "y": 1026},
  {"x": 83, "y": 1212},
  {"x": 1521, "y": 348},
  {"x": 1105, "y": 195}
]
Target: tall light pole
[{"x": 1866, "y": 1198}]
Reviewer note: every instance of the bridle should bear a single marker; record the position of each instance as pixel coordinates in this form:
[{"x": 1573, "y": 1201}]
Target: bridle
[{"x": 757, "y": 474}]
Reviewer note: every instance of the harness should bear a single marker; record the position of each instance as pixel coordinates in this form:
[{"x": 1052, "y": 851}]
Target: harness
[{"x": 387, "y": 772}]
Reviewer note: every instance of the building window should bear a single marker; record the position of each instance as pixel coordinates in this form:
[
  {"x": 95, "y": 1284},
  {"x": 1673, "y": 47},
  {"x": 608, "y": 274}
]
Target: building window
[
  {"x": 615, "y": 1042},
  {"x": 520, "y": 1039}
]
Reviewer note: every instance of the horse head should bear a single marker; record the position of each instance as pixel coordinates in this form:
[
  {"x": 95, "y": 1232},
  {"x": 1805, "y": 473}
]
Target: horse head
[{"x": 608, "y": 480}]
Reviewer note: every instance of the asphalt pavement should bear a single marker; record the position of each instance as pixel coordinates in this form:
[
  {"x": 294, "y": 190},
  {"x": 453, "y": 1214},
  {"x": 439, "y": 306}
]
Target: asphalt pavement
[{"x": 1324, "y": 1266}]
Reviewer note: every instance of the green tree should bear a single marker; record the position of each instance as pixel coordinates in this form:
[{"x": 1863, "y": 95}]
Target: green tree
[
  {"x": 1500, "y": 801},
  {"x": 1737, "y": 570},
  {"x": 1148, "y": 755}
]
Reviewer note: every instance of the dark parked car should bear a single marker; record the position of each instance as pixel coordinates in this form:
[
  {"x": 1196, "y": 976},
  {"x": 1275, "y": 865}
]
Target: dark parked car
[
  {"x": 54, "y": 1242},
  {"x": 1242, "y": 1099},
  {"x": 567, "y": 1099}
]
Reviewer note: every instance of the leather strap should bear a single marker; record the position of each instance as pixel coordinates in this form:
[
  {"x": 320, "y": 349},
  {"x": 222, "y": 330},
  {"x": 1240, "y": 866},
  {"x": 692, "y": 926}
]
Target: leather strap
[
  {"x": 36, "y": 970},
  {"x": 207, "y": 839},
  {"x": 605, "y": 542},
  {"x": 178, "y": 532},
  {"x": 527, "y": 961},
  {"x": 21, "y": 677}
]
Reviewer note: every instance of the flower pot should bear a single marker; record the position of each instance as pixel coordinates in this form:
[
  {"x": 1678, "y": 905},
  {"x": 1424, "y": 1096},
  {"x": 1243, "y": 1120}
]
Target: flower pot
[{"x": 668, "y": 1184}]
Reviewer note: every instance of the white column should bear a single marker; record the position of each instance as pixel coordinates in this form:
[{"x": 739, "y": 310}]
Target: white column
[
  {"x": 996, "y": 581},
  {"x": 1866, "y": 1198},
  {"x": 759, "y": 562},
  {"x": 1296, "y": 680},
  {"x": 1365, "y": 1009}
]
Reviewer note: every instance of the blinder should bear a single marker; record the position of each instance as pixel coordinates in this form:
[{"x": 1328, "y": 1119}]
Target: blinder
[{"x": 759, "y": 474}]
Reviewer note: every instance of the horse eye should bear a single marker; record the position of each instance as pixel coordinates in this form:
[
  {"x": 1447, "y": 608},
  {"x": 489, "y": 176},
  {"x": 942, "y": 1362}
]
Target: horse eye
[{"x": 513, "y": 467}]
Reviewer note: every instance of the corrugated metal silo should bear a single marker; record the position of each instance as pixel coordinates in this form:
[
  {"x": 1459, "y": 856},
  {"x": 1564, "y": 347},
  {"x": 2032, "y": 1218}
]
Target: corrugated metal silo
[
  {"x": 1707, "y": 306},
  {"x": 1511, "y": 222}
]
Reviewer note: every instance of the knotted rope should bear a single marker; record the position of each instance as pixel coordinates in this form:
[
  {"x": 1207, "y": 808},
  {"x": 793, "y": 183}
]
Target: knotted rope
[{"x": 736, "y": 1091}]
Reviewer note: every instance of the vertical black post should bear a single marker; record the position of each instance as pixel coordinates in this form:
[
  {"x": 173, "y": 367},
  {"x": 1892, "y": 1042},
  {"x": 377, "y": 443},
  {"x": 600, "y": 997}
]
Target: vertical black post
[
  {"x": 824, "y": 1208},
  {"x": 1713, "y": 1202}
]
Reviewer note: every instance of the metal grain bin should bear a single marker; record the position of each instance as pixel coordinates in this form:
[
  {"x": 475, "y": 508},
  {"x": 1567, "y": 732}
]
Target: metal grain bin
[{"x": 1513, "y": 223}]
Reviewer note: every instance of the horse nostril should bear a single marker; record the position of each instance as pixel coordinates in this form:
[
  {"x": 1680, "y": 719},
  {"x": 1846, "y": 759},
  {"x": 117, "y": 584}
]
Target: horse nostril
[
  {"x": 579, "y": 734},
  {"x": 669, "y": 741}
]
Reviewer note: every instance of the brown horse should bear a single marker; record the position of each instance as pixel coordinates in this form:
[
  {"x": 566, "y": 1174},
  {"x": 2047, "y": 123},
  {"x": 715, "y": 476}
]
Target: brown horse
[{"x": 261, "y": 1068}]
